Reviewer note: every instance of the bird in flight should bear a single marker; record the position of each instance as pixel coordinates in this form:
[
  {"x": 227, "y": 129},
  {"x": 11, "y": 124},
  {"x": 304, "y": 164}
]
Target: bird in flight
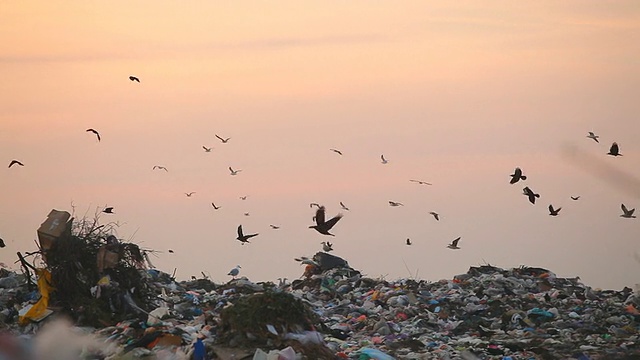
[
  {"x": 243, "y": 197},
  {"x": 15, "y": 162},
  {"x": 627, "y": 213},
  {"x": 408, "y": 241},
  {"x": 554, "y": 212},
  {"x": 275, "y": 227},
  {"x": 593, "y": 136},
  {"x": 394, "y": 203},
  {"x": 235, "y": 271},
  {"x": 160, "y": 168},
  {"x": 530, "y": 194},
  {"x": 2, "y": 244},
  {"x": 234, "y": 172},
  {"x": 343, "y": 206},
  {"x": 575, "y": 197},
  {"x": 224, "y": 141},
  {"x": 108, "y": 210},
  {"x": 215, "y": 207},
  {"x": 95, "y": 132},
  {"x": 435, "y": 215},
  {"x": 614, "y": 150},
  {"x": 133, "y": 78},
  {"x": 206, "y": 149},
  {"x": 517, "y": 176},
  {"x": 336, "y": 151},
  {"x": 421, "y": 182},
  {"x": 383, "y": 160},
  {"x": 170, "y": 251},
  {"x": 454, "y": 244},
  {"x": 323, "y": 226},
  {"x": 242, "y": 237},
  {"x": 190, "y": 193},
  {"x": 327, "y": 246},
  {"x": 246, "y": 214}
]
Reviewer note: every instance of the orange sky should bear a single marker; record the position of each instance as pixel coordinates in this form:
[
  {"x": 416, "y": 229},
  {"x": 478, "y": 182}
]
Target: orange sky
[{"x": 455, "y": 93}]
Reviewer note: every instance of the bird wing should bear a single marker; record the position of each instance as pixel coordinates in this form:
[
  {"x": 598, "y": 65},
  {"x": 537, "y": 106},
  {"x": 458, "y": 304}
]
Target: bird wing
[
  {"x": 333, "y": 221},
  {"x": 382, "y": 157},
  {"x": 320, "y": 215},
  {"x": 240, "y": 231},
  {"x": 437, "y": 216},
  {"x": 624, "y": 208},
  {"x": 230, "y": 169},
  {"x": 551, "y": 208},
  {"x": 455, "y": 242},
  {"x": 614, "y": 148},
  {"x": 221, "y": 139}
]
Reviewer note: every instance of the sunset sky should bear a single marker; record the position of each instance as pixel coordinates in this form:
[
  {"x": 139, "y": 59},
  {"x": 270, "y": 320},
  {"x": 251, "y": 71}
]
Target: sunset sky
[{"x": 456, "y": 93}]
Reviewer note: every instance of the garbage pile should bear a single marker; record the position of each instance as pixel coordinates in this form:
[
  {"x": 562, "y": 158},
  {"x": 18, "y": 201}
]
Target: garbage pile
[{"x": 331, "y": 312}]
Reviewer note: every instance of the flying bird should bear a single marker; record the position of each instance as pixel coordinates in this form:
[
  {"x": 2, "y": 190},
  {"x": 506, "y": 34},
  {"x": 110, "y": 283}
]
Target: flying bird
[
  {"x": 190, "y": 193},
  {"x": 15, "y": 162},
  {"x": 95, "y": 132},
  {"x": 336, "y": 151},
  {"x": 454, "y": 244},
  {"x": 306, "y": 261},
  {"x": 275, "y": 227},
  {"x": 170, "y": 251},
  {"x": 244, "y": 238},
  {"x": 343, "y": 206},
  {"x": 575, "y": 197},
  {"x": 408, "y": 241},
  {"x": 235, "y": 271},
  {"x": 215, "y": 207},
  {"x": 206, "y": 149},
  {"x": 554, "y": 212},
  {"x": 246, "y": 214},
  {"x": 327, "y": 246},
  {"x": 530, "y": 194},
  {"x": 133, "y": 78},
  {"x": 234, "y": 172},
  {"x": 394, "y": 203},
  {"x": 627, "y": 213},
  {"x": 435, "y": 215},
  {"x": 421, "y": 182},
  {"x": 614, "y": 150},
  {"x": 108, "y": 210},
  {"x": 160, "y": 168},
  {"x": 323, "y": 226},
  {"x": 243, "y": 197},
  {"x": 593, "y": 136},
  {"x": 2, "y": 244},
  {"x": 517, "y": 176},
  {"x": 224, "y": 141},
  {"x": 383, "y": 160}
]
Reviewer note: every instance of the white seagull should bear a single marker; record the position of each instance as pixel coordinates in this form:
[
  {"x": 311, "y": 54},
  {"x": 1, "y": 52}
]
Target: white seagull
[
  {"x": 454, "y": 244},
  {"x": 235, "y": 271},
  {"x": 593, "y": 136}
]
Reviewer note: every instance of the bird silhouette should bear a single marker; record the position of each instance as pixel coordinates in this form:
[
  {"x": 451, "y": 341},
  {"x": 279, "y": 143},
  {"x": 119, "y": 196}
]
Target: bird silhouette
[
  {"x": 246, "y": 214},
  {"x": 336, "y": 151},
  {"x": 235, "y": 271},
  {"x": 554, "y": 212},
  {"x": 626, "y": 213},
  {"x": 15, "y": 162},
  {"x": 435, "y": 215},
  {"x": 530, "y": 194},
  {"x": 395, "y": 203},
  {"x": 614, "y": 150},
  {"x": 2, "y": 244},
  {"x": 170, "y": 251},
  {"x": 224, "y": 141},
  {"x": 95, "y": 132},
  {"x": 190, "y": 193},
  {"x": 215, "y": 207},
  {"x": 575, "y": 197},
  {"x": 275, "y": 227},
  {"x": 593, "y": 136},
  {"x": 343, "y": 206},
  {"x": 244, "y": 238},
  {"x": 408, "y": 241},
  {"x": 108, "y": 210},
  {"x": 517, "y": 176},
  {"x": 206, "y": 149},
  {"x": 160, "y": 168},
  {"x": 454, "y": 244},
  {"x": 234, "y": 172},
  {"x": 421, "y": 182},
  {"x": 327, "y": 246},
  {"x": 323, "y": 226},
  {"x": 383, "y": 160},
  {"x": 133, "y": 78},
  {"x": 243, "y": 197}
]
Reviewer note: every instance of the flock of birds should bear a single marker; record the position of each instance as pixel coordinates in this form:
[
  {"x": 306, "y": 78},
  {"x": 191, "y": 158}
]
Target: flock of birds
[{"x": 323, "y": 225}]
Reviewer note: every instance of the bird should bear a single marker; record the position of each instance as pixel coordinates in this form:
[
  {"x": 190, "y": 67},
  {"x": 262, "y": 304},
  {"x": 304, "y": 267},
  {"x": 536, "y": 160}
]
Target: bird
[
  {"x": 15, "y": 162},
  {"x": 108, "y": 210},
  {"x": 421, "y": 182},
  {"x": 244, "y": 238},
  {"x": 133, "y": 78},
  {"x": 224, "y": 141},
  {"x": 2, "y": 244},
  {"x": 314, "y": 204},
  {"x": 343, "y": 206},
  {"x": 593, "y": 136},
  {"x": 160, "y": 168},
  {"x": 274, "y": 227},
  {"x": 235, "y": 271},
  {"x": 554, "y": 212},
  {"x": 614, "y": 150},
  {"x": 170, "y": 251},
  {"x": 206, "y": 149},
  {"x": 243, "y": 197},
  {"x": 336, "y": 151},
  {"x": 627, "y": 213},
  {"x": 95, "y": 132},
  {"x": 408, "y": 241},
  {"x": 435, "y": 215},
  {"x": 383, "y": 160},
  {"x": 246, "y": 214},
  {"x": 234, "y": 172},
  {"x": 575, "y": 197},
  {"x": 530, "y": 194},
  {"x": 454, "y": 244},
  {"x": 323, "y": 226},
  {"x": 190, "y": 193},
  {"x": 215, "y": 207},
  {"x": 395, "y": 203},
  {"x": 306, "y": 261},
  {"x": 327, "y": 246},
  {"x": 517, "y": 176}
]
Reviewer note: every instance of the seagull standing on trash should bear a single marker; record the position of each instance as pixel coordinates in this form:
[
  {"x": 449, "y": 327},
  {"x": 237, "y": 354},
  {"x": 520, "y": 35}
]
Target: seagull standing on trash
[
  {"x": 95, "y": 132},
  {"x": 554, "y": 212},
  {"x": 614, "y": 150},
  {"x": 323, "y": 226},
  {"x": 530, "y": 194},
  {"x": 593, "y": 136},
  {"x": 327, "y": 246},
  {"x": 517, "y": 176},
  {"x": 454, "y": 244},
  {"x": 15, "y": 162},
  {"x": 627, "y": 213},
  {"x": 244, "y": 238},
  {"x": 235, "y": 271}
]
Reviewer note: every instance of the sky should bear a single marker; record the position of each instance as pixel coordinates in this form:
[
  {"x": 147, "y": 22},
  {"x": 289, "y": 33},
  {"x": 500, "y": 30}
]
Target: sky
[{"x": 457, "y": 94}]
